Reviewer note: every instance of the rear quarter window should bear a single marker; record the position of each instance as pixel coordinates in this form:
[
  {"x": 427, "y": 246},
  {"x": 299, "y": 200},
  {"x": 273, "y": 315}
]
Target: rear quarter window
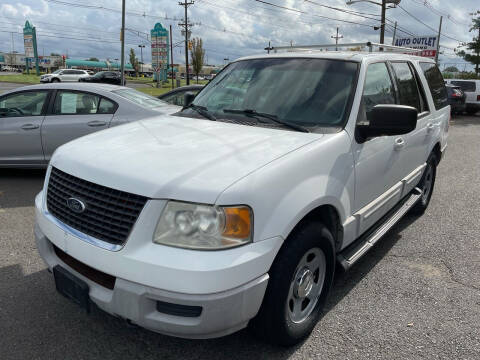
[{"x": 436, "y": 84}]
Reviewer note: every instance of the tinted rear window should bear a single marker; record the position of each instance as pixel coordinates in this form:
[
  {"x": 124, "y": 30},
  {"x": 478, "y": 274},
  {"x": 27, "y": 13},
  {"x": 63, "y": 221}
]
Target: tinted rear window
[
  {"x": 465, "y": 85},
  {"x": 436, "y": 84}
]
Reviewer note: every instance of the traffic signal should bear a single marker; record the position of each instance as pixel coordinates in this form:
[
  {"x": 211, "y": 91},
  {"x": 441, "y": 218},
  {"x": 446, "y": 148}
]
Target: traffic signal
[{"x": 190, "y": 45}]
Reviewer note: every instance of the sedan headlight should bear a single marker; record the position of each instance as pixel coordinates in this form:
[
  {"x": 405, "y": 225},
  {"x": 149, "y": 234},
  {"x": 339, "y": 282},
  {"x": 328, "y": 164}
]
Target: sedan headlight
[{"x": 204, "y": 227}]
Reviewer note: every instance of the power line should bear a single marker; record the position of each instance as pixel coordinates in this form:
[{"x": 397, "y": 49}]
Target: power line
[
  {"x": 428, "y": 26},
  {"x": 437, "y": 12}
]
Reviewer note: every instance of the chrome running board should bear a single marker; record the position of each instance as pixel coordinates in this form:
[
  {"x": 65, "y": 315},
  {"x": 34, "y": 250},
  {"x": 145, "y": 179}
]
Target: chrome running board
[{"x": 360, "y": 247}]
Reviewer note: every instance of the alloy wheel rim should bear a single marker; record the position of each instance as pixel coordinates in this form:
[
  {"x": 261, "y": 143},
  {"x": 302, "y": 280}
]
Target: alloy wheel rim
[{"x": 306, "y": 285}]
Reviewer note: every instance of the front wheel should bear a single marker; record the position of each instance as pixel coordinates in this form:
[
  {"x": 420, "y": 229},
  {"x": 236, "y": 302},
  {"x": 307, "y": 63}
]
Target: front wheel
[
  {"x": 300, "y": 280},
  {"x": 55, "y": 80}
]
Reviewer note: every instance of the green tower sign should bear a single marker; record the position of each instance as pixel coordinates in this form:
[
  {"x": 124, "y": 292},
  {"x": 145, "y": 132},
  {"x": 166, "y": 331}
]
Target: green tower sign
[{"x": 30, "y": 45}]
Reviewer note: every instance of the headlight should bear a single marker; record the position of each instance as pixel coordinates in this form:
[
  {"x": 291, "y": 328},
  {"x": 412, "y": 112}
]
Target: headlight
[{"x": 204, "y": 227}]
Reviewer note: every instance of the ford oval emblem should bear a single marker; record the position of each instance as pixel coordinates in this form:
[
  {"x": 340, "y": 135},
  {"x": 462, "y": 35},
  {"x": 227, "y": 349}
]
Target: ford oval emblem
[{"x": 77, "y": 206}]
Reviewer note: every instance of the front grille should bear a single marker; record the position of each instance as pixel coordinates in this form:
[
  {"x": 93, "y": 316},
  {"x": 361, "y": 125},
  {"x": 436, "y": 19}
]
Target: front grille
[{"x": 109, "y": 214}]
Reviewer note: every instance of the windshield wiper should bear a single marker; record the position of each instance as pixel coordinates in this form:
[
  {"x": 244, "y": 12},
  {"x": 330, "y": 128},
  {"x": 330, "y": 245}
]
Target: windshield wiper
[
  {"x": 273, "y": 118},
  {"x": 202, "y": 110}
]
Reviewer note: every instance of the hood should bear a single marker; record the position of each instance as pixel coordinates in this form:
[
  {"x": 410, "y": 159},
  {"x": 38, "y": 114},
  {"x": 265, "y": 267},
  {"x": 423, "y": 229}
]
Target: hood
[{"x": 169, "y": 157}]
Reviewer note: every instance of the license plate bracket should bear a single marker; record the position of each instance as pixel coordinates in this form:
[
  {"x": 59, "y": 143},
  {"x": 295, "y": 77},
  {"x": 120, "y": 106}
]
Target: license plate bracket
[{"x": 72, "y": 287}]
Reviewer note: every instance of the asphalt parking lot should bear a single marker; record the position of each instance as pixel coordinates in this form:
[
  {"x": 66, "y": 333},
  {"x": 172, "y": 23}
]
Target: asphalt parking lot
[{"x": 416, "y": 295}]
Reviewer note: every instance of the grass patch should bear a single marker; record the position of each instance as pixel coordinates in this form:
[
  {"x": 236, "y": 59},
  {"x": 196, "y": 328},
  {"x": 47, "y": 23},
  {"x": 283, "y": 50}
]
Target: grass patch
[
  {"x": 153, "y": 91},
  {"x": 20, "y": 79}
]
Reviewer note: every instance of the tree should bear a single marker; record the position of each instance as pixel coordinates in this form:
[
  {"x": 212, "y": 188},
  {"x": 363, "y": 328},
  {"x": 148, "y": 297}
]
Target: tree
[
  {"x": 474, "y": 46},
  {"x": 197, "y": 53},
  {"x": 54, "y": 54},
  {"x": 58, "y": 63},
  {"x": 93, "y": 59},
  {"x": 134, "y": 61},
  {"x": 451, "y": 69}
]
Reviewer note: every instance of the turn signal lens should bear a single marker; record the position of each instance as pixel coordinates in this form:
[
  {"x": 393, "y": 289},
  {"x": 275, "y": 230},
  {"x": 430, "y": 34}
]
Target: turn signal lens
[{"x": 238, "y": 222}]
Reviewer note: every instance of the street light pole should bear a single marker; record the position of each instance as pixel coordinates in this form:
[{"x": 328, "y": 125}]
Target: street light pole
[
  {"x": 141, "y": 57},
  {"x": 122, "y": 36}
]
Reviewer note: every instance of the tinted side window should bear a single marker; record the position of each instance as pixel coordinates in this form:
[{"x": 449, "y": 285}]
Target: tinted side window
[
  {"x": 407, "y": 86},
  {"x": 436, "y": 84},
  {"x": 70, "y": 103},
  {"x": 378, "y": 89},
  {"x": 465, "y": 85}
]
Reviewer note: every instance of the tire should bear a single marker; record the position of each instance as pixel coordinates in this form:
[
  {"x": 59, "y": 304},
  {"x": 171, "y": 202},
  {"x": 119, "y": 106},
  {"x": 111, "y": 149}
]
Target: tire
[
  {"x": 290, "y": 308},
  {"x": 472, "y": 111},
  {"x": 426, "y": 184},
  {"x": 55, "y": 80}
]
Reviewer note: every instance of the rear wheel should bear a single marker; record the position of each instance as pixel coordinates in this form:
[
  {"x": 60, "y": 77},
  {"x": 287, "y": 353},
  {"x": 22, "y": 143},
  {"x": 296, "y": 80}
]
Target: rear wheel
[
  {"x": 300, "y": 280},
  {"x": 471, "y": 111},
  {"x": 426, "y": 185}
]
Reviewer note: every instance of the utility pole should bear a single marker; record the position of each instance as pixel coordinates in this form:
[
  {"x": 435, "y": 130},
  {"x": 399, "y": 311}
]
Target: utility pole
[
  {"x": 122, "y": 37},
  {"x": 186, "y": 25},
  {"x": 268, "y": 48},
  {"x": 171, "y": 54},
  {"x": 382, "y": 25},
  {"x": 12, "y": 57},
  {"x": 394, "y": 33},
  {"x": 336, "y": 37},
  {"x": 438, "y": 39}
]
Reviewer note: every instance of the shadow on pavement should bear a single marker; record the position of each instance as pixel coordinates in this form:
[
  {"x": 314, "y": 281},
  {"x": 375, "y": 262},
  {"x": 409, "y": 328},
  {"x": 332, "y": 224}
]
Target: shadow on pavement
[{"x": 19, "y": 187}]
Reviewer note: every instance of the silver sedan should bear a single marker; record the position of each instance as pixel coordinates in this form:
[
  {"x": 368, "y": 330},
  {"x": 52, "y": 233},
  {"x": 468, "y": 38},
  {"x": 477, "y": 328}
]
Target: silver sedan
[{"x": 35, "y": 120}]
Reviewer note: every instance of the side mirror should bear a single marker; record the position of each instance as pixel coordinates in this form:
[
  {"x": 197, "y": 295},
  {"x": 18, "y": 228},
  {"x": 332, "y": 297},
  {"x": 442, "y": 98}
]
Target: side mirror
[
  {"x": 188, "y": 99},
  {"x": 389, "y": 120}
]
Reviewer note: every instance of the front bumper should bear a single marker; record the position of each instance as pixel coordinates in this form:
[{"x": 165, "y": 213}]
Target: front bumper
[
  {"x": 228, "y": 285},
  {"x": 221, "y": 314},
  {"x": 45, "y": 80}
]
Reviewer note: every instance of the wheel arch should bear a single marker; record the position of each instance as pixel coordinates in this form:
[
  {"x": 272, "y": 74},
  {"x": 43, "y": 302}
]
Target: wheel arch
[{"x": 329, "y": 216}]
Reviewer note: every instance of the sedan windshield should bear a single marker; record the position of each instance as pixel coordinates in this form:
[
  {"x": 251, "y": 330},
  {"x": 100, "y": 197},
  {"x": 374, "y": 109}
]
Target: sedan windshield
[
  {"x": 139, "y": 98},
  {"x": 99, "y": 74},
  {"x": 305, "y": 92}
]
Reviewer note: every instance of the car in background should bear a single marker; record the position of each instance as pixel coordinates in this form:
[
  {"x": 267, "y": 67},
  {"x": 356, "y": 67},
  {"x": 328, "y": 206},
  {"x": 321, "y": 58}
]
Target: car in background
[
  {"x": 36, "y": 119},
  {"x": 456, "y": 99},
  {"x": 64, "y": 75},
  {"x": 107, "y": 77},
  {"x": 176, "y": 96},
  {"x": 471, "y": 88}
]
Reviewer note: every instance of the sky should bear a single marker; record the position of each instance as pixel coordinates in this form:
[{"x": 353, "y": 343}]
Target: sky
[{"x": 229, "y": 28}]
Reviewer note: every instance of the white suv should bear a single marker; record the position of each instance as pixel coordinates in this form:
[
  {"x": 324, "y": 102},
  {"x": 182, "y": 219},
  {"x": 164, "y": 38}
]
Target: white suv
[
  {"x": 64, "y": 75},
  {"x": 236, "y": 210}
]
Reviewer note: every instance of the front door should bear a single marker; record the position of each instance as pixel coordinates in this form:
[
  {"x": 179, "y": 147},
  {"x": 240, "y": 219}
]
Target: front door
[
  {"x": 74, "y": 114},
  {"x": 377, "y": 185},
  {"x": 21, "y": 116}
]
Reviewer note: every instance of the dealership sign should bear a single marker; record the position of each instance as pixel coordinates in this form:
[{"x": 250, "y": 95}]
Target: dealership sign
[
  {"x": 160, "y": 48},
  {"x": 30, "y": 45},
  {"x": 426, "y": 45}
]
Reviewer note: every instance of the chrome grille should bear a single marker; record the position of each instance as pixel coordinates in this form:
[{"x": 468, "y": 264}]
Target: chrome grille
[{"x": 109, "y": 214}]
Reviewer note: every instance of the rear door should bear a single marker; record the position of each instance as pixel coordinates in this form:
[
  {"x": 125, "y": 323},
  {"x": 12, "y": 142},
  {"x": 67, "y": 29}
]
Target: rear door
[
  {"x": 416, "y": 143},
  {"x": 73, "y": 114},
  {"x": 21, "y": 118}
]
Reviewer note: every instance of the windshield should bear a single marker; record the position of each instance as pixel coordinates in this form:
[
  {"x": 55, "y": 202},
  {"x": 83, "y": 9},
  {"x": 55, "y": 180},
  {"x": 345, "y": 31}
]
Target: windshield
[
  {"x": 305, "y": 92},
  {"x": 139, "y": 98},
  {"x": 57, "y": 71},
  {"x": 99, "y": 74}
]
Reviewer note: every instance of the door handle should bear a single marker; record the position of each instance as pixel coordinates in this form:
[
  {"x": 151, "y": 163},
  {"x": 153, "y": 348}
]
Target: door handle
[
  {"x": 30, "y": 127},
  {"x": 399, "y": 143},
  {"x": 430, "y": 127},
  {"x": 96, "y": 123}
]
